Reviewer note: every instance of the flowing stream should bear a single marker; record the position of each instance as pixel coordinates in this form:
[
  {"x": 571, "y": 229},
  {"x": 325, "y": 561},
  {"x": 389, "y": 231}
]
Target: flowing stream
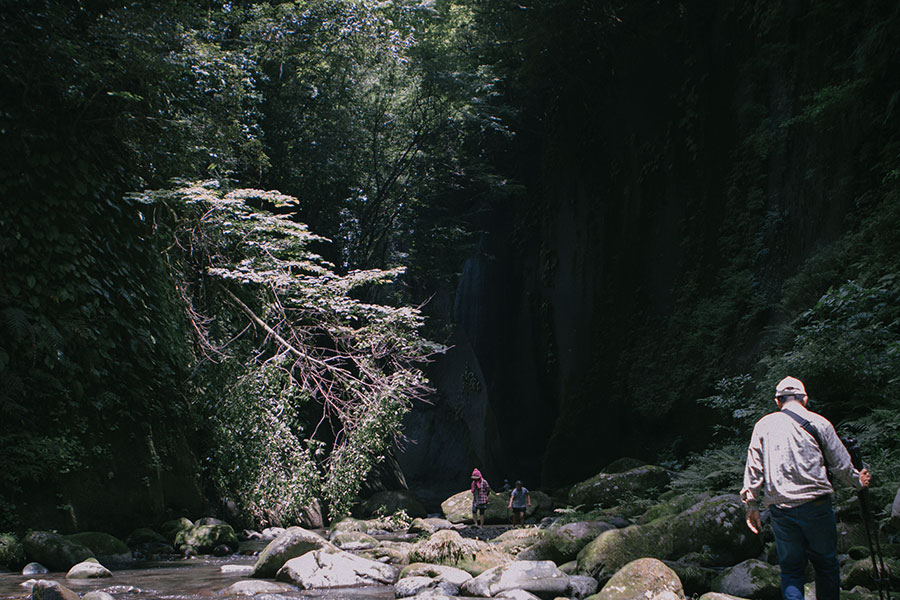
[{"x": 179, "y": 579}]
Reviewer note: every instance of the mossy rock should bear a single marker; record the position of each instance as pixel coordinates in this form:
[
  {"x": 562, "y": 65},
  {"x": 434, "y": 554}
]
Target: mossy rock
[
  {"x": 670, "y": 505},
  {"x": 694, "y": 578},
  {"x": 54, "y": 551},
  {"x": 860, "y": 573},
  {"x": 608, "y": 489},
  {"x": 108, "y": 549},
  {"x": 172, "y": 528},
  {"x": 12, "y": 552},
  {"x": 641, "y": 579},
  {"x": 458, "y": 508},
  {"x": 393, "y": 553},
  {"x": 347, "y": 524},
  {"x": 562, "y": 543},
  {"x": 447, "y": 547},
  {"x": 354, "y": 540},
  {"x": 717, "y": 528},
  {"x": 205, "y": 538},
  {"x": 750, "y": 579},
  {"x": 145, "y": 535},
  {"x": 514, "y": 541},
  {"x": 615, "y": 548},
  {"x": 621, "y": 465}
]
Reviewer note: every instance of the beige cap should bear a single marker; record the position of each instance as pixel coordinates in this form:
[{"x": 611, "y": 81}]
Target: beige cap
[{"x": 790, "y": 386}]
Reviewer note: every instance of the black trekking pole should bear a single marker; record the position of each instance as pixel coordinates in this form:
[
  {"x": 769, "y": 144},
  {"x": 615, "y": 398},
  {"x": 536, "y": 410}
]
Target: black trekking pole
[{"x": 879, "y": 572}]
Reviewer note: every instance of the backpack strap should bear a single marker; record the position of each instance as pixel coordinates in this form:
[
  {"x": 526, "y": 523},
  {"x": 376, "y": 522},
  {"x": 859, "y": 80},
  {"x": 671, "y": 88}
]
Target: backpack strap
[{"x": 805, "y": 424}]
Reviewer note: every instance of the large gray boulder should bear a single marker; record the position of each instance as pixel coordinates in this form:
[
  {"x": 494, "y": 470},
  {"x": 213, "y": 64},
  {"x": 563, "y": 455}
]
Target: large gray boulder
[
  {"x": 428, "y": 525},
  {"x": 458, "y": 508},
  {"x": 172, "y": 528},
  {"x": 442, "y": 572},
  {"x": 88, "y": 569},
  {"x": 108, "y": 549},
  {"x": 253, "y": 587},
  {"x": 641, "y": 579},
  {"x": 205, "y": 538},
  {"x": 562, "y": 543},
  {"x": 515, "y": 541},
  {"x": 615, "y": 548},
  {"x": 717, "y": 528},
  {"x": 448, "y": 547},
  {"x": 347, "y": 524},
  {"x": 542, "y": 578},
  {"x": 320, "y": 569},
  {"x": 750, "y": 579},
  {"x": 354, "y": 540},
  {"x": 414, "y": 586},
  {"x": 54, "y": 551},
  {"x": 294, "y": 542},
  {"x": 607, "y": 489},
  {"x": 581, "y": 586}
]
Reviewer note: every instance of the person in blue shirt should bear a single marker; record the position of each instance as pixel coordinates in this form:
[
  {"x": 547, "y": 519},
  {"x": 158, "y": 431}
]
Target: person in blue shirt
[{"x": 519, "y": 500}]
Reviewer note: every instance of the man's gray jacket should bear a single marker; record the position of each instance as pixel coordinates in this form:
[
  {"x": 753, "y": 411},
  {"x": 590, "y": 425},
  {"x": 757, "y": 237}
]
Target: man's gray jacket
[{"x": 785, "y": 465}]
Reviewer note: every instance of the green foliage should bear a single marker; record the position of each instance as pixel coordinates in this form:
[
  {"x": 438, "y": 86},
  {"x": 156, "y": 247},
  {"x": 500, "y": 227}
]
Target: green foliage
[
  {"x": 717, "y": 469},
  {"x": 316, "y": 394}
]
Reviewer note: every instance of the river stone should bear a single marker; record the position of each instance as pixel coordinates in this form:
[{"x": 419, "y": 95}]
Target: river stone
[
  {"x": 236, "y": 570},
  {"x": 413, "y": 586},
  {"x": 562, "y": 543},
  {"x": 639, "y": 580},
  {"x": 458, "y": 508},
  {"x": 205, "y": 538},
  {"x": 320, "y": 569},
  {"x": 540, "y": 577},
  {"x": 108, "y": 549},
  {"x": 448, "y": 547},
  {"x": 54, "y": 550},
  {"x": 386, "y": 503},
  {"x": 394, "y": 553},
  {"x": 34, "y": 568},
  {"x": 581, "y": 586},
  {"x": 515, "y": 541},
  {"x": 209, "y": 521},
  {"x": 517, "y": 595},
  {"x": 718, "y": 596},
  {"x": 98, "y": 595},
  {"x": 354, "y": 540},
  {"x": 428, "y": 525},
  {"x": 750, "y": 579},
  {"x": 717, "y": 528},
  {"x": 347, "y": 524},
  {"x": 270, "y": 533},
  {"x": 172, "y": 528},
  {"x": 455, "y": 576},
  {"x": 694, "y": 579},
  {"x": 859, "y": 573},
  {"x": 253, "y": 587},
  {"x": 294, "y": 542},
  {"x": 615, "y": 548},
  {"x": 606, "y": 489},
  {"x": 622, "y": 465},
  {"x": 88, "y": 569},
  {"x": 51, "y": 590},
  {"x": 12, "y": 552}
]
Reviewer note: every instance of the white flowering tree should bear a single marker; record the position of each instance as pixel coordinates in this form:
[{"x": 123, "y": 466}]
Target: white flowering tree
[{"x": 302, "y": 382}]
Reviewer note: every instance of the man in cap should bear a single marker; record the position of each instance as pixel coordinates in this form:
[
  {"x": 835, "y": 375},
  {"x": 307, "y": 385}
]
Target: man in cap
[{"x": 786, "y": 472}]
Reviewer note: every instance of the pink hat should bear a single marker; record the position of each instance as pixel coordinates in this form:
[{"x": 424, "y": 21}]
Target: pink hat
[{"x": 476, "y": 474}]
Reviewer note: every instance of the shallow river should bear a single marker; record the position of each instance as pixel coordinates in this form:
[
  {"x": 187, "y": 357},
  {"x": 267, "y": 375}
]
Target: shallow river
[{"x": 187, "y": 579}]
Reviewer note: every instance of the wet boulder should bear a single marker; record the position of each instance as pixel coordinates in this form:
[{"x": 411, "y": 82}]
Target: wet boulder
[
  {"x": 455, "y": 576},
  {"x": 320, "y": 569},
  {"x": 641, "y": 579},
  {"x": 51, "y": 590},
  {"x": 54, "y": 551},
  {"x": 615, "y": 548},
  {"x": 354, "y": 540},
  {"x": 750, "y": 579},
  {"x": 540, "y": 577},
  {"x": 347, "y": 524},
  {"x": 581, "y": 586},
  {"x": 428, "y": 525},
  {"x": 415, "y": 586},
  {"x": 607, "y": 489},
  {"x": 34, "y": 568},
  {"x": 294, "y": 542},
  {"x": 253, "y": 587},
  {"x": 205, "y": 538},
  {"x": 98, "y": 595},
  {"x": 108, "y": 549},
  {"x": 88, "y": 569}
]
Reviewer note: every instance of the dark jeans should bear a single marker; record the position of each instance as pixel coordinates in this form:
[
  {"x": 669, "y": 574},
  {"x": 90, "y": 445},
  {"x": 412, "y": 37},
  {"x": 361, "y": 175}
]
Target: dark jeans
[{"x": 807, "y": 532}]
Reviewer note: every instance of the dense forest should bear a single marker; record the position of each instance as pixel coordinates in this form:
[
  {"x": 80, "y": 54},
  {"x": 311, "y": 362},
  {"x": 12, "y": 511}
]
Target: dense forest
[{"x": 264, "y": 257}]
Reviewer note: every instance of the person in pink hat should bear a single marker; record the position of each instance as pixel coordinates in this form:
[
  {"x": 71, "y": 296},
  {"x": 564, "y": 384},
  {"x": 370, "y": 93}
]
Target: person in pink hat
[{"x": 481, "y": 489}]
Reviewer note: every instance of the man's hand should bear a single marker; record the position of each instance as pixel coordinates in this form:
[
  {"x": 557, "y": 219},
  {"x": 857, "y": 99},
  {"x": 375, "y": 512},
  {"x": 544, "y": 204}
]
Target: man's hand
[
  {"x": 865, "y": 478},
  {"x": 754, "y": 521}
]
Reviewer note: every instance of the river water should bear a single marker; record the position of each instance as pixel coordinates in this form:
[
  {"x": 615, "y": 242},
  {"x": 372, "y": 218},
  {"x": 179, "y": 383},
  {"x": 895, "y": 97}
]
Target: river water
[{"x": 181, "y": 579}]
